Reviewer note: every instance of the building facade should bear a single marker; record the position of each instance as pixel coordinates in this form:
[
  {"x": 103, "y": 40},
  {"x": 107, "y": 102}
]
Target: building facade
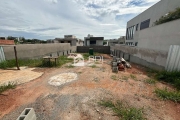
[
  {"x": 93, "y": 41},
  {"x": 68, "y": 39},
  {"x": 112, "y": 42},
  {"x": 142, "y": 32}
]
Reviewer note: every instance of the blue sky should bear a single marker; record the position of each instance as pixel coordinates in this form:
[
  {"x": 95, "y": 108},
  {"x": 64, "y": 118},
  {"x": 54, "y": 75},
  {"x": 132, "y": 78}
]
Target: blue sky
[{"x": 47, "y": 19}]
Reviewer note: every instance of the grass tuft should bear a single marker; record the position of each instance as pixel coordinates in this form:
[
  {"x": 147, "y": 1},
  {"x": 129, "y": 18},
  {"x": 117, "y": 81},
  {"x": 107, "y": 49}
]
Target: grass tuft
[
  {"x": 123, "y": 111},
  {"x": 114, "y": 77},
  {"x": 125, "y": 78},
  {"x": 133, "y": 77},
  {"x": 168, "y": 95},
  {"x": 5, "y": 87},
  {"x": 150, "y": 81},
  {"x": 93, "y": 66},
  {"x": 70, "y": 66}
]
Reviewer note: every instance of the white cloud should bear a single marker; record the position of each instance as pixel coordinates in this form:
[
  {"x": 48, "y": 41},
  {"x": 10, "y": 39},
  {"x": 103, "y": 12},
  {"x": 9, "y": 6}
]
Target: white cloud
[{"x": 39, "y": 18}]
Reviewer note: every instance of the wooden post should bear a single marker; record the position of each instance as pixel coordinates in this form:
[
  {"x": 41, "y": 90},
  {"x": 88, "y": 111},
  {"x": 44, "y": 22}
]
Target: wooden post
[{"x": 16, "y": 58}]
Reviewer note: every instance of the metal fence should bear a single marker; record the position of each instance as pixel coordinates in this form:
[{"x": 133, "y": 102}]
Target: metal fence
[
  {"x": 2, "y": 57},
  {"x": 173, "y": 59}
]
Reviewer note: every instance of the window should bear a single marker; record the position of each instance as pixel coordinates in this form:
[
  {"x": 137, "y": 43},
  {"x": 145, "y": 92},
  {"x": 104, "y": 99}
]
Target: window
[
  {"x": 145, "y": 24},
  {"x": 137, "y": 25},
  {"x": 130, "y": 32},
  {"x": 136, "y": 43},
  {"x": 93, "y": 42}
]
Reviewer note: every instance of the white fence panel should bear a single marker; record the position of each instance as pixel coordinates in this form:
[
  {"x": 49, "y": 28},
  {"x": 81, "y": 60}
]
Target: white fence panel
[
  {"x": 173, "y": 59},
  {"x": 2, "y": 57}
]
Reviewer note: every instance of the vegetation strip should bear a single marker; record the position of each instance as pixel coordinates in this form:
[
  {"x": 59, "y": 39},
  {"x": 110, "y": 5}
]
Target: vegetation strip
[
  {"x": 124, "y": 111},
  {"x": 168, "y": 95},
  {"x": 35, "y": 62},
  {"x": 5, "y": 87}
]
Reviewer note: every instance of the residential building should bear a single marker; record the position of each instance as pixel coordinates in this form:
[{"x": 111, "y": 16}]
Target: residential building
[
  {"x": 112, "y": 42},
  {"x": 93, "y": 41},
  {"x": 67, "y": 39},
  {"x": 143, "y": 32}
]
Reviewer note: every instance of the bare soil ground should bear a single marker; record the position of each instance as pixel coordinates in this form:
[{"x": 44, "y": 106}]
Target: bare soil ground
[{"x": 78, "y": 99}]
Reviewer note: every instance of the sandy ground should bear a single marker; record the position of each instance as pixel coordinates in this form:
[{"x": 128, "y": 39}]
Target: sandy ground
[
  {"x": 78, "y": 99},
  {"x": 18, "y": 76}
]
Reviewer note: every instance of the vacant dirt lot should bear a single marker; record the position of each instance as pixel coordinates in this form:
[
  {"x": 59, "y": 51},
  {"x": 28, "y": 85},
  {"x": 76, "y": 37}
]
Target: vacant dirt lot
[{"x": 78, "y": 99}]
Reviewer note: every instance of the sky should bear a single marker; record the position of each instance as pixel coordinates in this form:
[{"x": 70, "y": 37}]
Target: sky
[{"x": 48, "y": 19}]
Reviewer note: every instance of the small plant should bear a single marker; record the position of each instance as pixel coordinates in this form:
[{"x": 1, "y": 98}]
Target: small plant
[
  {"x": 125, "y": 78},
  {"x": 133, "y": 77},
  {"x": 114, "y": 77},
  {"x": 70, "y": 66},
  {"x": 5, "y": 87},
  {"x": 86, "y": 56},
  {"x": 123, "y": 111},
  {"x": 93, "y": 66},
  {"x": 150, "y": 81},
  {"x": 168, "y": 95}
]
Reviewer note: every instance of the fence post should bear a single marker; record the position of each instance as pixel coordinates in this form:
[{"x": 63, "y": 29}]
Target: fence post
[{"x": 15, "y": 52}]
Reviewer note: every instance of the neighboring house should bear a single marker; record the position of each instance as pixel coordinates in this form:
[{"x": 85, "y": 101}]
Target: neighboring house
[
  {"x": 112, "y": 42},
  {"x": 79, "y": 42},
  {"x": 67, "y": 39},
  {"x": 93, "y": 41},
  {"x": 143, "y": 32}
]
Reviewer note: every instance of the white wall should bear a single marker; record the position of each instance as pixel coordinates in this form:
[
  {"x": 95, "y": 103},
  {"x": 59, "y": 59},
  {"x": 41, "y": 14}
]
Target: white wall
[
  {"x": 99, "y": 42},
  {"x": 160, "y": 37},
  {"x": 153, "y": 13},
  {"x": 155, "y": 59}
]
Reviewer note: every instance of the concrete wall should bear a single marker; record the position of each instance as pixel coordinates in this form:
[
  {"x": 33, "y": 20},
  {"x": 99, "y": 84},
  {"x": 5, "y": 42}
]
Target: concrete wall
[
  {"x": 153, "y": 13},
  {"x": 99, "y": 49},
  {"x": 160, "y": 37},
  {"x": 150, "y": 58},
  {"x": 99, "y": 42},
  {"x": 38, "y": 50}
]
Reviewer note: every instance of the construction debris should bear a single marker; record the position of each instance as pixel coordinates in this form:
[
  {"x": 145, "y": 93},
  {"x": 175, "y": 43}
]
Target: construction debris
[
  {"x": 74, "y": 55},
  {"x": 119, "y": 64}
]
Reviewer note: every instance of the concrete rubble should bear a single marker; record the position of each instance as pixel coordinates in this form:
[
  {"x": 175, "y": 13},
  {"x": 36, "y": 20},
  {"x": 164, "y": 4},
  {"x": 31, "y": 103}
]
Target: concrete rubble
[{"x": 119, "y": 64}]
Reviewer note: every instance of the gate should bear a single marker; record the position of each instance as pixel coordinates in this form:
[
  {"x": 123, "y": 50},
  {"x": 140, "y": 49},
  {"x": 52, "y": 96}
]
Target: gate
[
  {"x": 2, "y": 57},
  {"x": 173, "y": 59}
]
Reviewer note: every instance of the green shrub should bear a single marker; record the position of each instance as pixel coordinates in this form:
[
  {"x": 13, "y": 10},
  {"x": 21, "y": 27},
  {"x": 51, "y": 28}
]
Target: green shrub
[
  {"x": 173, "y": 15},
  {"x": 170, "y": 77},
  {"x": 168, "y": 95}
]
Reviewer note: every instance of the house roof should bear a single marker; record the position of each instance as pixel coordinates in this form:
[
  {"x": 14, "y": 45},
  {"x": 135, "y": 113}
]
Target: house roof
[{"x": 7, "y": 42}]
